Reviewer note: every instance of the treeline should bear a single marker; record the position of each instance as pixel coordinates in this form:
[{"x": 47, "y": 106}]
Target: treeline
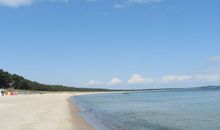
[{"x": 8, "y": 80}]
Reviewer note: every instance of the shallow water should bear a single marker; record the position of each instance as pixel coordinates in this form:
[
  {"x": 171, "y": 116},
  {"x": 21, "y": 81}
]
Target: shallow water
[{"x": 168, "y": 110}]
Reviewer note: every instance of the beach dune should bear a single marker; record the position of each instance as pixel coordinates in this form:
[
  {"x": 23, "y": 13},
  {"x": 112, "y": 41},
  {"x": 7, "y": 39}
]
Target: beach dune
[{"x": 40, "y": 112}]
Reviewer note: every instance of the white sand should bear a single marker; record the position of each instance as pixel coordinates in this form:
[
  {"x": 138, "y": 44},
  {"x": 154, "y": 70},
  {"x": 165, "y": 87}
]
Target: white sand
[{"x": 40, "y": 112}]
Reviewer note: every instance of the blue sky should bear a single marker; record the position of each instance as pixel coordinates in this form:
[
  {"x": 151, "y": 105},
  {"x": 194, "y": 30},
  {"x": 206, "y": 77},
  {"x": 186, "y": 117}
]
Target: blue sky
[{"x": 112, "y": 44}]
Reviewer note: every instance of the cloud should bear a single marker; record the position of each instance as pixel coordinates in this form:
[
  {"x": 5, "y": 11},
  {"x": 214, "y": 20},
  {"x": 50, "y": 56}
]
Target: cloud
[
  {"x": 192, "y": 78},
  {"x": 207, "y": 77},
  {"x": 15, "y": 3},
  {"x": 168, "y": 79},
  {"x": 138, "y": 79},
  {"x": 118, "y": 6},
  {"x": 92, "y": 83},
  {"x": 127, "y": 3},
  {"x": 143, "y": 1},
  {"x": 114, "y": 81},
  {"x": 174, "y": 78},
  {"x": 215, "y": 59},
  {"x": 19, "y": 3},
  {"x": 149, "y": 81}
]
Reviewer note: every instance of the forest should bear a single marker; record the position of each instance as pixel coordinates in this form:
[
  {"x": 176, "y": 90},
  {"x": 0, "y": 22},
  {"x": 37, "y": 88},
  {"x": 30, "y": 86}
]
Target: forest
[{"x": 8, "y": 80}]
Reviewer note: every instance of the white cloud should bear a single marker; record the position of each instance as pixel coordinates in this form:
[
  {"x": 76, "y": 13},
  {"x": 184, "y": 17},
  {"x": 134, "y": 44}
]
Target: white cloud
[
  {"x": 133, "y": 2},
  {"x": 118, "y": 6},
  {"x": 168, "y": 79},
  {"x": 207, "y": 77},
  {"x": 15, "y": 3},
  {"x": 125, "y": 3},
  {"x": 92, "y": 83},
  {"x": 19, "y": 3},
  {"x": 215, "y": 59},
  {"x": 138, "y": 79},
  {"x": 193, "y": 78},
  {"x": 143, "y": 1},
  {"x": 115, "y": 81},
  {"x": 150, "y": 81},
  {"x": 174, "y": 78}
]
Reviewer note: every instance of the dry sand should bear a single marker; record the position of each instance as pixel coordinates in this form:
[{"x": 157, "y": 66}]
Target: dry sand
[{"x": 41, "y": 112}]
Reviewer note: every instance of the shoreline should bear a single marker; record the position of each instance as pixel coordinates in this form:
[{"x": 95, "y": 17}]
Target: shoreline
[
  {"x": 75, "y": 111},
  {"x": 52, "y": 111},
  {"x": 81, "y": 123}
]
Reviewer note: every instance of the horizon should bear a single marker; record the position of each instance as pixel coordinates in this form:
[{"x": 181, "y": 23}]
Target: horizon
[
  {"x": 126, "y": 44},
  {"x": 134, "y": 89}
]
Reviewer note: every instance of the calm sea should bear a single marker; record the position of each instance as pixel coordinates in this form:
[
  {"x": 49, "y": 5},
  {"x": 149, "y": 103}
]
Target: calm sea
[{"x": 166, "y": 110}]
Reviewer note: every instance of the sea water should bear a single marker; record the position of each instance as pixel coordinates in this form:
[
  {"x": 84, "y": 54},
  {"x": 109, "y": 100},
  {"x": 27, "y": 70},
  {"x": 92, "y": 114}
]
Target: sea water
[{"x": 152, "y": 110}]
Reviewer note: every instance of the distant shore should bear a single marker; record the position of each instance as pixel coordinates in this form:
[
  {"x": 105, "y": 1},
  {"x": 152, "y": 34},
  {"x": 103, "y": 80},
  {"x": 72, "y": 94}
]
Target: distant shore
[{"x": 41, "y": 112}]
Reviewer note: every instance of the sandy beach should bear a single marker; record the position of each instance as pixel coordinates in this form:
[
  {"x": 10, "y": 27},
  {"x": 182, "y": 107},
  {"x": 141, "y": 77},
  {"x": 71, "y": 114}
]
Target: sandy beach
[{"x": 41, "y": 112}]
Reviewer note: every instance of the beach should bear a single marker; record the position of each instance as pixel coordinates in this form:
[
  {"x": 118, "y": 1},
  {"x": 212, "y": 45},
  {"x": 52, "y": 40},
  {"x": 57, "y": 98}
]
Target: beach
[{"x": 41, "y": 112}]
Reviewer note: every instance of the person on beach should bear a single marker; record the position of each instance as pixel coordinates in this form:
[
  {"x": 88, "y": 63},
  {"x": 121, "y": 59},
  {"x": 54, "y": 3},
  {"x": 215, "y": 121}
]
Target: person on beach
[{"x": 2, "y": 93}]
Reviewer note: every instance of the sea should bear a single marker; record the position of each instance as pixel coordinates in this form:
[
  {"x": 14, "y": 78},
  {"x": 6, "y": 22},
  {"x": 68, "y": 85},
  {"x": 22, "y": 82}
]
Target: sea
[{"x": 152, "y": 110}]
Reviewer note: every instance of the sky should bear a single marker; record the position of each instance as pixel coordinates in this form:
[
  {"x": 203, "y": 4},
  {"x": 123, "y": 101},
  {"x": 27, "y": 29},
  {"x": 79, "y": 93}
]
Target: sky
[{"x": 117, "y": 44}]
